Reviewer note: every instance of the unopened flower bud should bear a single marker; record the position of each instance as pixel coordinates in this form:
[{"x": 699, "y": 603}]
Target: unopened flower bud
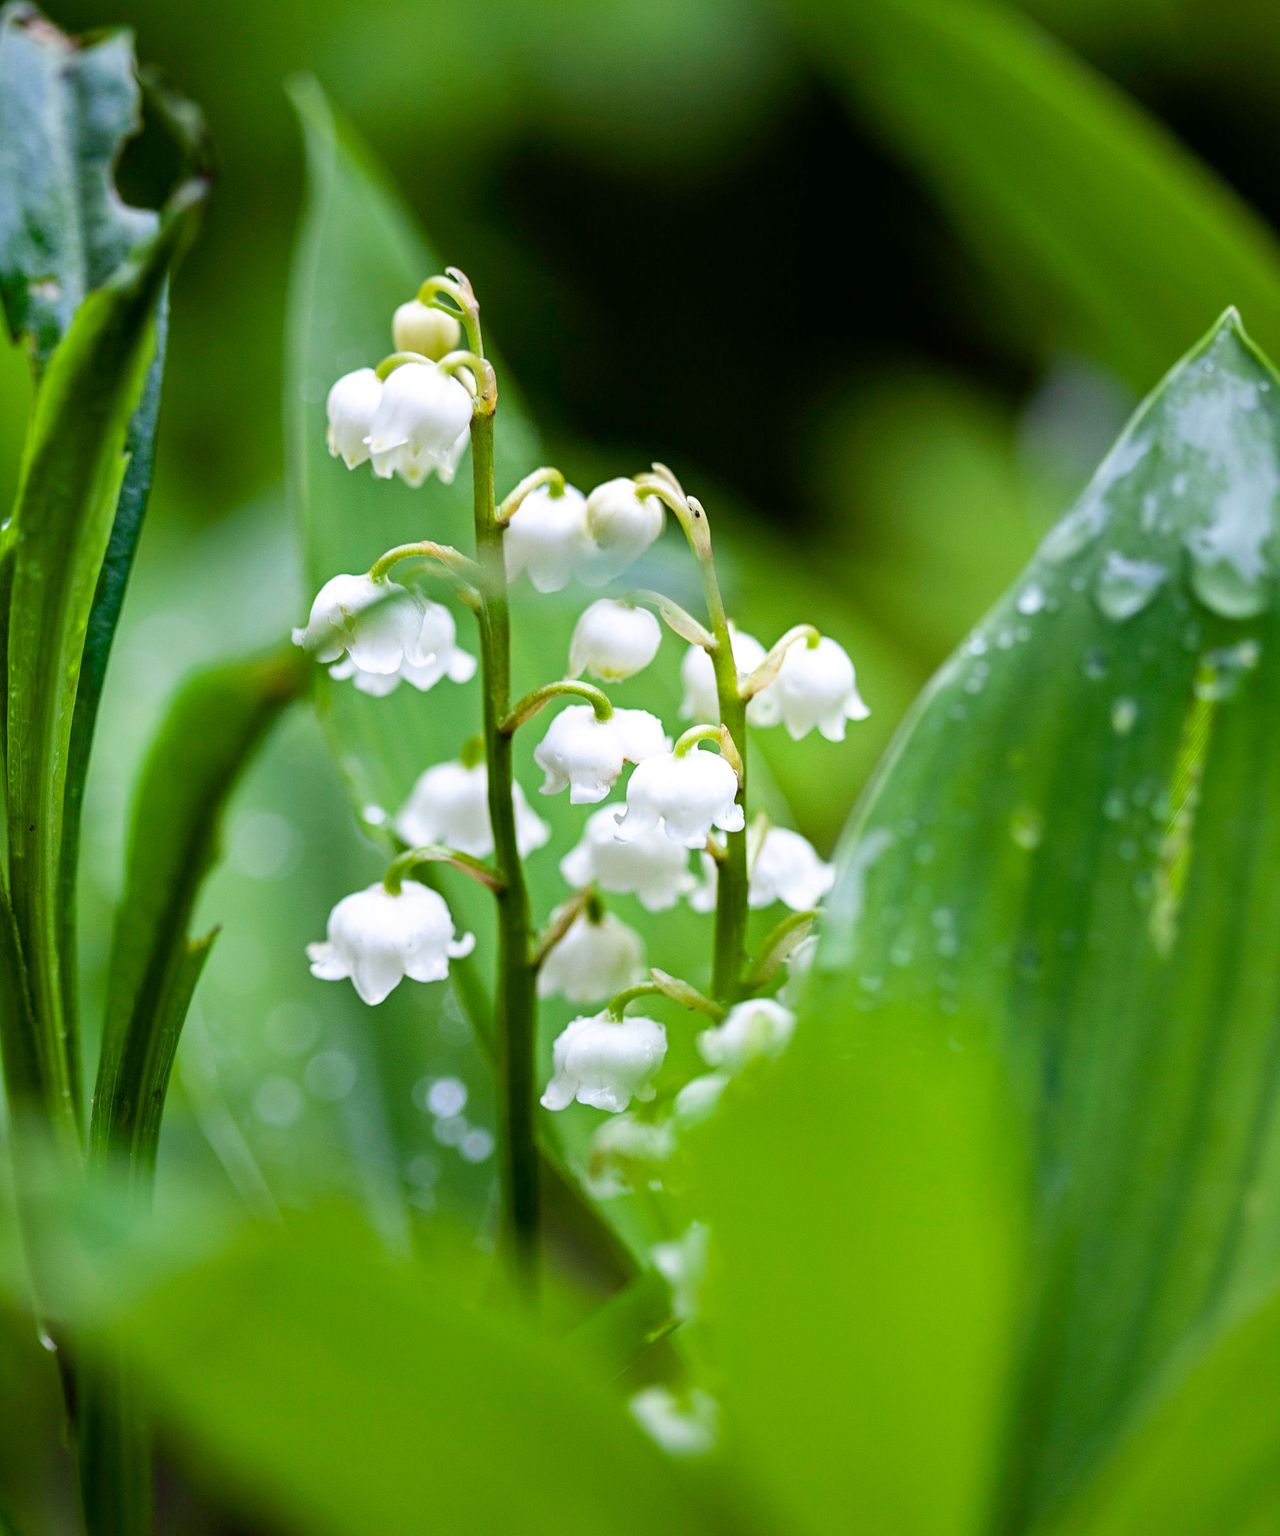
[
  {"x": 546, "y": 538},
  {"x": 593, "y": 961},
  {"x": 353, "y": 402},
  {"x": 621, "y": 524},
  {"x": 450, "y": 804},
  {"x": 682, "y": 1263},
  {"x": 757, "y": 1028},
  {"x": 683, "y": 1426},
  {"x": 613, "y": 641},
  {"x": 421, "y": 424},
  {"x": 605, "y": 1062},
  {"x": 627, "y": 1153},
  {"x": 422, "y": 328},
  {"x": 587, "y": 754},
  {"x": 649, "y": 866},
  {"x": 686, "y": 795},
  {"x": 817, "y": 686},
  {"x": 376, "y": 938}
]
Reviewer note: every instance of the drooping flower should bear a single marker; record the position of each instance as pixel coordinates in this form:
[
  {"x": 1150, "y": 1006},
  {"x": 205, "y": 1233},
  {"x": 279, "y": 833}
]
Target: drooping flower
[
  {"x": 587, "y": 754},
  {"x": 816, "y": 685},
  {"x": 649, "y": 866},
  {"x": 450, "y": 804},
  {"x": 422, "y": 328},
  {"x": 437, "y": 640},
  {"x": 353, "y": 402},
  {"x": 682, "y": 1263},
  {"x": 785, "y": 867},
  {"x": 683, "y": 1426},
  {"x": 686, "y": 795},
  {"x": 626, "y": 1153},
  {"x": 698, "y": 676},
  {"x": 381, "y": 628},
  {"x": 376, "y": 937},
  {"x": 613, "y": 640},
  {"x": 698, "y": 1099},
  {"x": 593, "y": 961},
  {"x": 546, "y": 538},
  {"x": 605, "y": 1062},
  {"x": 760, "y": 1027},
  {"x": 621, "y": 525},
  {"x": 421, "y": 424}
]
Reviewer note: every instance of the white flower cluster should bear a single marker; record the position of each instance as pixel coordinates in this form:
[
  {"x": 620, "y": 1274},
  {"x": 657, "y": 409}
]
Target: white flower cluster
[{"x": 662, "y": 837}]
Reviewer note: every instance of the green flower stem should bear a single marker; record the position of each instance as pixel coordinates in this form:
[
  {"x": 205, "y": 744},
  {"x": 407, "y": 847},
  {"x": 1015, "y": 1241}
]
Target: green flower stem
[
  {"x": 516, "y": 1015},
  {"x": 563, "y": 918},
  {"x": 769, "y": 668},
  {"x": 541, "y": 697},
  {"x": 731, "y": 899},
  {"x": 453, "y": 560},
  {"x": 404, "y": 865},
  {"x": 661, "y": 984},
  {"x": 540, "y": 477}
]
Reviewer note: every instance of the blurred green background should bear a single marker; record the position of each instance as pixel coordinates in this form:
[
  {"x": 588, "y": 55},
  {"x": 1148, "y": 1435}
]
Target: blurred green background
[{"x": 880, "y": 281}]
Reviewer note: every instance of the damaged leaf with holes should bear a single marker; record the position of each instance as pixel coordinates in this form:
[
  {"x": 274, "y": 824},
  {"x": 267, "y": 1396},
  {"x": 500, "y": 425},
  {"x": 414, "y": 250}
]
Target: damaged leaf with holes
[{"x": 1075, "y": 841}]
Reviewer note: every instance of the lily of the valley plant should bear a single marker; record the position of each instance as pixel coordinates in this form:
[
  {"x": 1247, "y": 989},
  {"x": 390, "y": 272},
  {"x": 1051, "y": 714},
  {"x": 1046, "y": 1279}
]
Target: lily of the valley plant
[{"x": 679, "y": 828}]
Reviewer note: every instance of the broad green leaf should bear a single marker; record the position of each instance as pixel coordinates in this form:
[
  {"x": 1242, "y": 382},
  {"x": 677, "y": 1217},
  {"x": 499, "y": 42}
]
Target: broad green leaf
[
  {"x": 71, "y": 479},
  {"x": 1076, "y": 838},
  {"x": 342, "y": 1393},
  {"x": 67, "y": 108},
  {"x": 212, "y": 729},
  {"x": 1205, "y": 1455},
  {"x": 1115, "y": 236},
  {"x": 862, "y": 1300},
  {"x": 67, "y": 105}
]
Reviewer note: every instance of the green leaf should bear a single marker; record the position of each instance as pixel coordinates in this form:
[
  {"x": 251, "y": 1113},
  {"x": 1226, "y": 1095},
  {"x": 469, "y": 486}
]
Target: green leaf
[
  {"x": 72, "y": 471},
  {"x": 1075, "y": 840},
  {"x": 1113, "y": 235},
  {"x": 212, "y": 729},
  {"x": 67, "y": 106},
  {"x": 341, "y": 1393},
  {"x": 862, "y": 1297},
  {"x": 1205, "y": 1455}
]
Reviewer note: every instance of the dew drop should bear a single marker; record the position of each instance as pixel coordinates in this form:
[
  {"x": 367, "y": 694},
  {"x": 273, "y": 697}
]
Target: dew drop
[
  {"x": 1094, "y": 666},
  {"x": 1223, "y": 587},
  {"x": 1031, "y": 599},
  {"x": 1026, "y": 828},
  {"x": 1222, "y": 671},
  {"x": 1125, "y": 587},
  {"x": 1124, "y": 714}
]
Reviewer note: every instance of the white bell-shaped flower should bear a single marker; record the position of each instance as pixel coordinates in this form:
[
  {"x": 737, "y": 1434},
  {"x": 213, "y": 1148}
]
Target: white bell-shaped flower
[
  {"x": 682, "y": 1263},
  {"x": 621, "y": 525},
  {"x": 421, "y": 328},
  {"x": 683, "y": 1426},
  {"x": 785, "y": 867},
  {"x": 449, "y": 804},
  {"x": 437, "y": 641},
  {"x": 587, "y": 754},
  {"x": 353, "y": 402},
  {"x": 613, "y": 640},
  {"x": 626, "y": 1153},
  {"x": 816, "y": 685},
  {"x": 593, "y": 961},
  {"x": 757, "y": 1028},
  {"x": 605, "y": 1062},
  {"x": 376, "y": 937},
  {"x": 799, "y": 965},
  {"x": 421, "y": 425},
  {"x": 378, "y": 624},
  {"x": 685, "y": 794},
  {"x": 546, "y": 538},
  {"x": 699, "y": 1099},
  {"x": 698, "y": 675},
  {"x": 650, "y": 866}
]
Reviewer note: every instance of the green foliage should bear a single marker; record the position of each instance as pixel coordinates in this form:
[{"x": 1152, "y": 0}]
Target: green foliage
[
  {"x": 1111, "y": 234},
  {"x": 1074, "y": 841},
  {"x": 71, "y": 478},
  {"x": 377, "y": 1396},
  {"x": 212, "y": 729}
]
